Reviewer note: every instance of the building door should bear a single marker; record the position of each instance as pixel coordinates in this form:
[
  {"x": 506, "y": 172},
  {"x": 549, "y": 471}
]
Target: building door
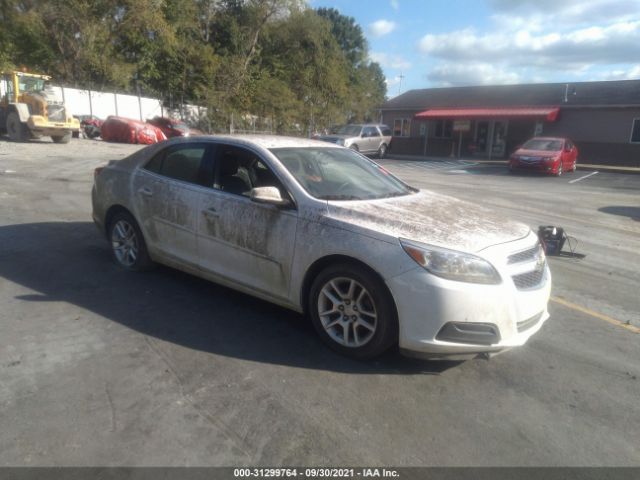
[
  {"x": 499, "y": 140},
  {"x": 482, "y": 137}
]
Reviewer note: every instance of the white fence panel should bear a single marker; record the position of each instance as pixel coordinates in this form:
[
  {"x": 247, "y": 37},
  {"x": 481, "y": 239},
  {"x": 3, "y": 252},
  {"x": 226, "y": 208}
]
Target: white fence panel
[
  {"x": 128, "y": 106},
  {"x": 151, "y": 107},
  {"x": 103, "y": 104},
  {"x": 77, "y": 101}
]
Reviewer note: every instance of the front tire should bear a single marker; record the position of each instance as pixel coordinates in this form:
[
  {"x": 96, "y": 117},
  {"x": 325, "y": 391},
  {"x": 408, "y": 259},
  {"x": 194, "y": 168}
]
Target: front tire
[
  {"x": 354, "y": 147},
  {"x": 128, "y": 248},
  {"x": 17, "y": 131},
  {"x": 353, "y": 312},
  {"x": 559, "y": 170}
]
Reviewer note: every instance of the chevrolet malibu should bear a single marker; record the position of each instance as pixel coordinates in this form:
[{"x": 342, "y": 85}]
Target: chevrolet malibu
[{"x": 322, "y": 230}]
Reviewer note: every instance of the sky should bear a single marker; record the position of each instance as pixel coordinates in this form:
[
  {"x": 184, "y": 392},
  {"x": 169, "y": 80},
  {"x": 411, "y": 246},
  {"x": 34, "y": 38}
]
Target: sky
[{"x": 429, "y": 43}]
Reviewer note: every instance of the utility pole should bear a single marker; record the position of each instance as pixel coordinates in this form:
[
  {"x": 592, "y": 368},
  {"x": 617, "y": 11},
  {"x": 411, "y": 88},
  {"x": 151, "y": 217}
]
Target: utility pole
[{"x": 401, "y": 76}]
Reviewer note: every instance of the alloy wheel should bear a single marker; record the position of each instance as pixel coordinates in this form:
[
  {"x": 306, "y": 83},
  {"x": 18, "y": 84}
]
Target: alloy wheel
[
  {"x": 124, "y": 242},
  {"x": 347, "y": 312}
]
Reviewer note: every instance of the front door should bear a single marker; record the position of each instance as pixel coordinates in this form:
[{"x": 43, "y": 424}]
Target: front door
[{"x": 247, "y": 242}]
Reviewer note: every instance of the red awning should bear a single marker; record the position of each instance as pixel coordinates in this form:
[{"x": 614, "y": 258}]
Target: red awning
[{"x": 550, "y": 114}]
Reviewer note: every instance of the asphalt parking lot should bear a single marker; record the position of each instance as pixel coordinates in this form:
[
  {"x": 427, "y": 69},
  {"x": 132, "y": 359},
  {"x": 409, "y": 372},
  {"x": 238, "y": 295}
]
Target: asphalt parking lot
[{"x": 103, "y": 367}]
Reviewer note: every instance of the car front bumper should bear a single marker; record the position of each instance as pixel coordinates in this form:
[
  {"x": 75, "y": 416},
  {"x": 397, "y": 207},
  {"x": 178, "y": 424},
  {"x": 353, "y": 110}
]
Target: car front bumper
[
  {"x": 427, "y": 303},
  {"x": 542, "y": 166}
]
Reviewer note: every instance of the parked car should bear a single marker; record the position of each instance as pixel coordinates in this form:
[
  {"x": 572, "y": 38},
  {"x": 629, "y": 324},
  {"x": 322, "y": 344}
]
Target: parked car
[
  {"x": 323, "y": 230},
  {"x": 170, "y": 126},
  {"x": 368, "y": 139},
  {"x": 546, "y": 154},
  {"x": 128, "y": 130},
  {"x": 89, "y": 126}
]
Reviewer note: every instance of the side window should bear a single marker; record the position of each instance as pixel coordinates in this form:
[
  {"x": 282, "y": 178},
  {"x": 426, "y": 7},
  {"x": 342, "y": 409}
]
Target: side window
[
  {"x": 371, "y": 132},
  {"x": 185, "y": 163},
  {"x": 238, "y": 170}
]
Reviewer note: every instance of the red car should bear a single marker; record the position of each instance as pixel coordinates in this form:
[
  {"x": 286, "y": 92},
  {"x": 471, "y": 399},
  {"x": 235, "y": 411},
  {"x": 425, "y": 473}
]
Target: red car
[
  {"x": 170, "y": 127},
  {"x": 545, "y": 154},
  {"x": 128, "y": 130}
]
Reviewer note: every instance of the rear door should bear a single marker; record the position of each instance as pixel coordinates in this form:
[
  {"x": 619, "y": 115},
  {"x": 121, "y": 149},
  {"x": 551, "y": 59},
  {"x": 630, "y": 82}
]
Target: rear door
[
  {"x": 372, "y": 139},
  {"x": 247, "y": 242},
  {"x": 167, "y": 195}
]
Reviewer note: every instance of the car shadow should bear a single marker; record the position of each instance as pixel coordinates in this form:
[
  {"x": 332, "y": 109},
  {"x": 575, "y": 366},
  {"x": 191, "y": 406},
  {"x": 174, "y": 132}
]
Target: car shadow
[
  {"x": 70, "y": 262},
  {"x": 623, "y": 211}
]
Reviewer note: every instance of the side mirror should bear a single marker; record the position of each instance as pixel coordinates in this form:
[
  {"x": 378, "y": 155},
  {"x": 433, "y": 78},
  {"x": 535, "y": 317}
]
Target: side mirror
[
  {"x": 270, "y": 195},
  {"x": 364, "y": 135}
]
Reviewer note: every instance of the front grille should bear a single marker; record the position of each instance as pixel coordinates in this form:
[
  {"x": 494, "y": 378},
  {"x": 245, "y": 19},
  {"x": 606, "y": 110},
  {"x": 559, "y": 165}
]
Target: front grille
[
  {"x": 528, "y": 280},
  {"x": 524, "y": 256},
  {"x": 529, "y": 322}
]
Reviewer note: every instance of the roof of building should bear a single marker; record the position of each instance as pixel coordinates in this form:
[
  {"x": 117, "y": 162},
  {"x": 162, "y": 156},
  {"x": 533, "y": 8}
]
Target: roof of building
[{"x": 619, "y": 92}]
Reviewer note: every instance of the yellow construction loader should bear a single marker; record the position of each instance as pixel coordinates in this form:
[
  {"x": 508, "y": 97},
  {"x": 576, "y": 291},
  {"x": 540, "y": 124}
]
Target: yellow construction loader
[{"x": 30, "y": 109}]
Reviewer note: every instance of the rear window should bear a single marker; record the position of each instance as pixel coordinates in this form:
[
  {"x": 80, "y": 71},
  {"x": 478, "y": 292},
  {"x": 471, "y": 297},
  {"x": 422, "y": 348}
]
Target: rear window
[{"x": 386, "y": 131}]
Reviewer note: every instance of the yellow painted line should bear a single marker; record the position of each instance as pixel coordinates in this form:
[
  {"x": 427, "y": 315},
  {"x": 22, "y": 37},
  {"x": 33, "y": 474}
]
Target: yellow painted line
[{"x": 597, "y": 315}]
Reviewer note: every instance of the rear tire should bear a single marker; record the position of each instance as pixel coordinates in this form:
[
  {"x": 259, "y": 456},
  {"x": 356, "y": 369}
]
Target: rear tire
[
  {"x": 128, "y": 248},
  {"x": 382, "y": 151},
  {"x": 61, "y": 139},
  {"x": 17, "y": 131},
  {"x": 353, "y": 311}
]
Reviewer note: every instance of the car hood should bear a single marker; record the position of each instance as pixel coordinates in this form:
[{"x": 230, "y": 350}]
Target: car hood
[
  {"x": 537, "y": 153},
  {"x": 430, "y": 218}
]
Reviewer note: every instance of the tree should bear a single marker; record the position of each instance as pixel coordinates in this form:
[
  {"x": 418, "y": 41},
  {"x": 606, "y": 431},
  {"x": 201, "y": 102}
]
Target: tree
[{"x": 348, "y": 34}]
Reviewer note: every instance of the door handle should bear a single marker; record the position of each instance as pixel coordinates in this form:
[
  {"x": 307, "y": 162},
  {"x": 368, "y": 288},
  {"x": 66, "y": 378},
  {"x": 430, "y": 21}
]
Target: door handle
[
  {"x": 211, "y": 212},
  {"x": 145, "y": 191}
]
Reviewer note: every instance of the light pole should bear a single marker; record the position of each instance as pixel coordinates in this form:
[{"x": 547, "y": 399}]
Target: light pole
[{"x": 401, "y": 76}]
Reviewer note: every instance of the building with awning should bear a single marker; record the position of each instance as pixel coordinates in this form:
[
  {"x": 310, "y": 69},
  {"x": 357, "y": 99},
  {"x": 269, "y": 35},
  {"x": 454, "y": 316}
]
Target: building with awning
[{"x": 602, "y": 118}]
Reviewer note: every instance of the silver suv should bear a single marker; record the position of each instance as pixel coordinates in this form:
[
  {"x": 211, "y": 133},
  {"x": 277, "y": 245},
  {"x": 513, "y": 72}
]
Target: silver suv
[{"x": 368, "y": 138}]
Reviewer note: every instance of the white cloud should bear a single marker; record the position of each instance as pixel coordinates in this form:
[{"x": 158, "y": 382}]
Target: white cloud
[
  {"x": 381, "y": 27},
  {"x": 459, "y": 74},
  {"x": 390, "y": 61},
  {"x": 395, "y": 4},
  {"x": 614, "y": 43},
  {"x": 632, "y": 73}
]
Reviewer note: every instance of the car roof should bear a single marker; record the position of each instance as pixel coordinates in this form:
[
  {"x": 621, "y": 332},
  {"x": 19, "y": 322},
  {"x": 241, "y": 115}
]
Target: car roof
[{"x": 271, "y": 141}]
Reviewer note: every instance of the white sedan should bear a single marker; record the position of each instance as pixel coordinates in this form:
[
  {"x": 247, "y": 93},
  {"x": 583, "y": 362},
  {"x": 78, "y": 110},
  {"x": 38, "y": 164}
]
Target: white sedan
[{"x": 323, "y": 230}]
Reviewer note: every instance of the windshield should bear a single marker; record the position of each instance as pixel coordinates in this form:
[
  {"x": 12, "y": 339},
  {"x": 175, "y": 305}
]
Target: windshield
[
  {"x": 180, "y": 126},
  {"x": 31, "y": 84},
  {"x": 351, "y": 130},
  {"x": 339, "y": 174},
  {"x": 543, "y": 144}
]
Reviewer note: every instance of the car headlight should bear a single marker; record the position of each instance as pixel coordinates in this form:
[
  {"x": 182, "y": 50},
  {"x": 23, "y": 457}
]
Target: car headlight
[{"x": 452, "y": 265}]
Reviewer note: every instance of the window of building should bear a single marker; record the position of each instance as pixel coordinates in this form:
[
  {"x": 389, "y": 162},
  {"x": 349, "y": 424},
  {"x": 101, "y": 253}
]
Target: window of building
[
  {"x": 402, "y": 127},
  {"x": 444, "y": 129},
  {"x": 635, "y": 131}
]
